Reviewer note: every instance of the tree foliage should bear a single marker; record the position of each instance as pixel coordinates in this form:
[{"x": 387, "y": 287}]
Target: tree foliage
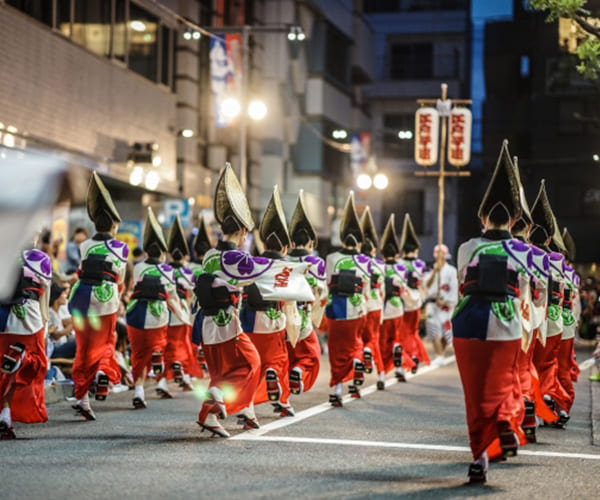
[{"x": 588, "y": 51}]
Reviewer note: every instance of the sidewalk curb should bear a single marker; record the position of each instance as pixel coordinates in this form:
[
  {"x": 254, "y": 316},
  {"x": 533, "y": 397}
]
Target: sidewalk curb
[
  {"x": 57, "y": 393},
  {"x": 595, "y": 412}
]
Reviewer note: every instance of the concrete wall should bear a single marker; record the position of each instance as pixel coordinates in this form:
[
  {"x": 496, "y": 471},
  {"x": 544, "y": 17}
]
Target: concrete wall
[{"x": 56, "y": 90}]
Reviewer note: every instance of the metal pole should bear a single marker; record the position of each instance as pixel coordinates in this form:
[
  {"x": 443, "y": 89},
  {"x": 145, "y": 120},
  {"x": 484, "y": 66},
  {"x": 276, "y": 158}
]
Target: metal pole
[{"x": 243, "y": 107}]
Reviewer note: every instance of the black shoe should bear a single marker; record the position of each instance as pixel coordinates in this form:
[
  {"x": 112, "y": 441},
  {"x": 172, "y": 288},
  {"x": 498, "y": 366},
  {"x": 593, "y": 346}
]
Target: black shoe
[
  {"x": 397, "y": 356},
  {"x": 368, "y": 361},
  {"x": 380, "y": 385},
  {"x": 414, "y": 369},
  {"x": 354, "y": 392},
  {"x": 335, "y": 400},
  {"x": 86, "y": 414},
  {"x": 359, "y": 374},
  {"x": 400, "y": 377},
  {"x": 177, "y": 372},
  {"x": 139, "y": 403},
  {"x": 11, "y": 361},
  {"x": 273, "y": 387},
  {"x": 102, "y": 387},
  {"x": 477, "y": 474}
]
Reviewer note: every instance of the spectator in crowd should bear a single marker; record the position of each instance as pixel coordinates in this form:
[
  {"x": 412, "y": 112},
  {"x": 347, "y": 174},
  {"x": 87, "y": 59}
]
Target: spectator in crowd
[
  {"x": 61, "y": 341},
  {"x": 73, "y": 252}
]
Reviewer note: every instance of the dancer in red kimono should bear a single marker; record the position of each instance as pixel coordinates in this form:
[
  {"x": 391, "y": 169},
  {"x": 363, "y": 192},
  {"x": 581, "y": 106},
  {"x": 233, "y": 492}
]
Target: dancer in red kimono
[
  {"x": 545, "y": 356},
  {"x": 487, "y": 324},
  {"x": 413, "y": 298},
  {"x": 305, "y": 356},
  {"x": 22, "y": 352},
  {"x": 375, "y": 295},
  {"x": 180, "y": 357},
  {"x": 233, "y": 361},
  {"x": 391, "y": 340},
  {"x": 95, "y": 300},
  {"x": 264, "y": 320},
  {"x": 533, "y": 316},
  {"x": 346, "y": 307},
  {"x": 153, "y": 300}
]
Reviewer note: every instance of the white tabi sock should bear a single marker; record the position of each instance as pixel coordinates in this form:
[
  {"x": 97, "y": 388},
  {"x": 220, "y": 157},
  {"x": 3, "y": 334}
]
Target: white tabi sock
[
  {"x": 381, "y": 376},
  {"x": 211, "y": 420},
  {"x": 5, "y": 416},
  {"x": 483, "y": 460},
  {"x": 84, "y": 402},
  {"x": 248, "y": 412},
  {"x": 338, "y": 389},
  {"x": 216, "y": 394},
  {"x": 400, "y": 370},
  {"x": 98, "y": 373},
  {"x": 161, "y": 385},
  {"x": 139, "y": 392}
]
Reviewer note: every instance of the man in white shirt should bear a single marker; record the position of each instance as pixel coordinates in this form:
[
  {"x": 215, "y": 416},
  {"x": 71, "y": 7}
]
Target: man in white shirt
[{"x": 442, "y": 297}]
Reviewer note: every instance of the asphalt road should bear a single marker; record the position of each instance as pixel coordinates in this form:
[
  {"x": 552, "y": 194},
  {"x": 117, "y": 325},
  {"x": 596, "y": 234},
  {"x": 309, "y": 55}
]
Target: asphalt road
[{"x": 407, "y": 441}]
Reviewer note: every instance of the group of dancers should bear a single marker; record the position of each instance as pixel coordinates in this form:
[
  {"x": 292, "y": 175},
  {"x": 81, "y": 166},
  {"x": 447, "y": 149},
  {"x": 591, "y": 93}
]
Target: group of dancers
[
  {"x": 515, "y": 322},
  {"x": 251, "y": 320}
]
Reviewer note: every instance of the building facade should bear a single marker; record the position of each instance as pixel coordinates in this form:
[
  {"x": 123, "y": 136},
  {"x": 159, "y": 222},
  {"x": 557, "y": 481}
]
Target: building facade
[{"x": 418, "y": 46}]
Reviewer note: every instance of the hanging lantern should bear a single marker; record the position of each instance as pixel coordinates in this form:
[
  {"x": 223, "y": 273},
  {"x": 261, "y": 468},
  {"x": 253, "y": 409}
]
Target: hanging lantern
[
  {"x": 459, "y": 137},
  {"x": 427, "y": 126}
]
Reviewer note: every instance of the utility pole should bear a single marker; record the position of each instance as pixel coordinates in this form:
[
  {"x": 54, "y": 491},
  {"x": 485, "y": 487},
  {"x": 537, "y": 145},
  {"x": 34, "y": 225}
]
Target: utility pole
[
  {"x": 244, "y": 102},
  {"x": 443, "y": 107}
]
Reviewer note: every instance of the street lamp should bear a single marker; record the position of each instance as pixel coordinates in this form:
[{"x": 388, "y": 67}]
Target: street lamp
[
  {"x": 380, "y": 181},
  {"x": 230, "y": 107},
  {"x": 257, "y": 110},
  {"x": 363, "y": 181}
]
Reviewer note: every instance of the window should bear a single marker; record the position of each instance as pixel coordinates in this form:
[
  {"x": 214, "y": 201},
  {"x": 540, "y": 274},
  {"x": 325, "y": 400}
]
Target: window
[
  {"x": 337, "y": 56},
  {"x": 92, "y": 25},
  {"x": 166, "y": 39},
  {"x": 38, "y": 9},
  {"x": 409, "y": 61},
  {"x": 143, "y": 44},
  {"x": 398, "y": 131}
]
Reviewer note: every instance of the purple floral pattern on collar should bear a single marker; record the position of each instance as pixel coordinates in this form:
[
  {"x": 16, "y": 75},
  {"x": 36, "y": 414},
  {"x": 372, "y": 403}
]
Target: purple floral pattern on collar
[
  {"x": 240, "y": 265},
  {"x": 38, "y": 263},
  {"x": 317, "y": 269},
  {"x": 118, "y": 249},
  {"x": 363, "y": 262}
]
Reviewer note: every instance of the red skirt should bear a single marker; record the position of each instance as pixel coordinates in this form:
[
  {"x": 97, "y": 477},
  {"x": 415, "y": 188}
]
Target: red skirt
[
  {"x": 413, "y": 345},
  {"x": 344, "y": 341},
  {"x": 389, "y": 337},
  {"x": 273, "y": 353},
  {"x": 179, "y": 348},
  {"x": 545, "y": 359},
  {"x": 234, "y": 367},
  {"x": 488, "y": 372},
  {"x": 143, "y": 344},
  {"x": 525, "y": 367},
  {"x": 370, "y": 337},
  {"x": 565, "y": 356},
  {"x": 27, "y": 404},
  {"x": 306, "y": 356},
  {"x": 95, "y": 352}
]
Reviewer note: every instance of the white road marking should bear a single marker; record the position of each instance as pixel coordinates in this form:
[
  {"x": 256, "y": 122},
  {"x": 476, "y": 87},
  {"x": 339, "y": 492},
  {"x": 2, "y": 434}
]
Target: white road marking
[
  {"x": 247, "y": 436},
  {"x": 323, "y": 407}
]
